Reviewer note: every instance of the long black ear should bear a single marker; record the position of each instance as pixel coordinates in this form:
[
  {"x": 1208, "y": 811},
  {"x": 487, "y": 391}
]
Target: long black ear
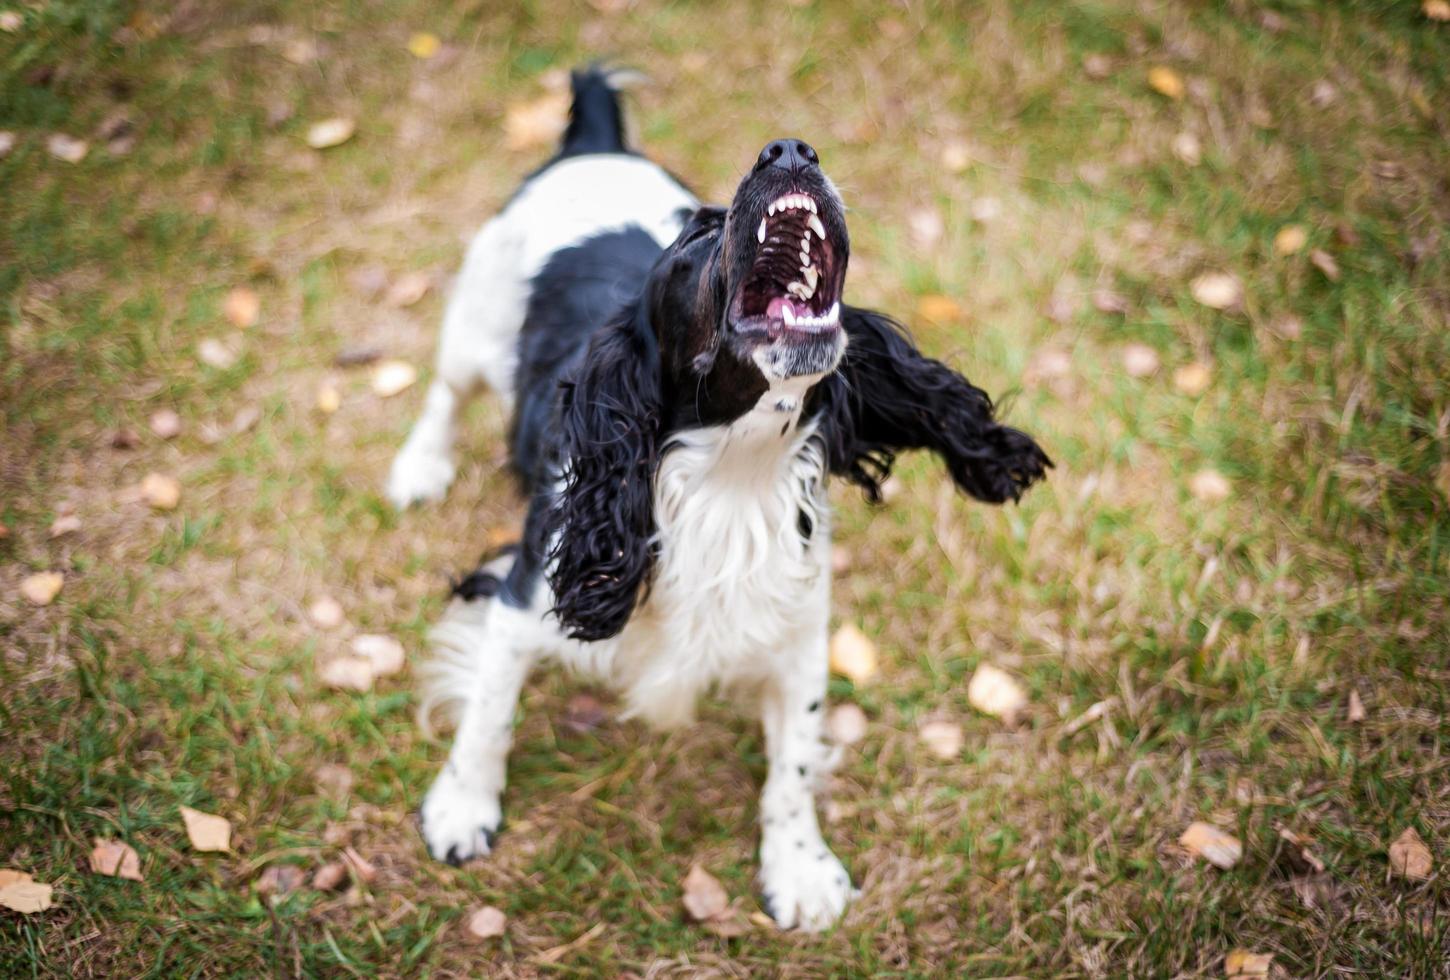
[
  {"x": 887, "y": 396},
  {"x": 602, "y": 519}
]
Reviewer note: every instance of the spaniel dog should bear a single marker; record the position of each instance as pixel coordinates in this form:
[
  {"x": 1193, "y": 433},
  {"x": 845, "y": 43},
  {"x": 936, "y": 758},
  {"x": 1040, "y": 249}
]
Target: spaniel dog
[{"x": 683, "y": 379}]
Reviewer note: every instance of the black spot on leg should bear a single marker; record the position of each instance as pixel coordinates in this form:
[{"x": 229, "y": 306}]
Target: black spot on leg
[
  {"x": 814, "y": 706},
  {"x": 804, "y": 524},
  {"x": 785, "y": 428},
  {"x": 802, "y": 771},
  {"x": 794, "y": 814},
  {"x": 800, "y": 845}
]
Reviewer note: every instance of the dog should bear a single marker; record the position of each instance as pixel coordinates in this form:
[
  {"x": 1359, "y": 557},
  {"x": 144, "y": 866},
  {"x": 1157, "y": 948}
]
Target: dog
[{"x": 683, "y": 380}]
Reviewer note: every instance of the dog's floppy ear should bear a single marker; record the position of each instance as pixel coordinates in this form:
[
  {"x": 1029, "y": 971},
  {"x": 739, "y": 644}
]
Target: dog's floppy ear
[
  {"x": 887, "y": 396},
  {"x": 602, "y": 518}
]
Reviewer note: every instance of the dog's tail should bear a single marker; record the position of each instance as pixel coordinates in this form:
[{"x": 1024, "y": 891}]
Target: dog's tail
[{"x": 596, "y": 119}]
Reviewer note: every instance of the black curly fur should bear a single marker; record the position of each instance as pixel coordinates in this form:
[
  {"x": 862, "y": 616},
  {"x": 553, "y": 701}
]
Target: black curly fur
[
  {"x": 887, "y": 396},
  {"x": 602, "y": 519}
]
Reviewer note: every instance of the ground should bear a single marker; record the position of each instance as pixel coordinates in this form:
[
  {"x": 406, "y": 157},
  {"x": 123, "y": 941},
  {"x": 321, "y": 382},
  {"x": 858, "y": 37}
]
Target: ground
[{"x": 1222, "y": 557}]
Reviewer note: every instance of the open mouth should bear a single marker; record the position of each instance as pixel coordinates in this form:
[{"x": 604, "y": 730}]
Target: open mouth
[{"x": 794, "y": 283}]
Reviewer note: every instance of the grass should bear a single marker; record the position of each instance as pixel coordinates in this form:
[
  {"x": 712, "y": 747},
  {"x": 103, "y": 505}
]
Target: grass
[{"x": 177, "y": 665}]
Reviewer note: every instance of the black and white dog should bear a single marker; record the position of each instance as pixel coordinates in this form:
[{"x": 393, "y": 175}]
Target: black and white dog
[{"x": 684, "y": 379}]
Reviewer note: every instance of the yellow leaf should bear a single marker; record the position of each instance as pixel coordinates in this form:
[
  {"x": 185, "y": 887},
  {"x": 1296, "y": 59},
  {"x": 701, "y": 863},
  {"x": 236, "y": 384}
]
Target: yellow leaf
[
  {"x": 9, "y": 876},
  {"x": 1213, "y": 845},
  {"x": 1290, "y": 239},
  {"x": 115, "y": 858},
  {"x": 330, "y": 132},
  {"x": 537, "y": 122},
  {"x": 487, "y": 923},
  {"x": 938, "y": 309},
  {"x": 1436, "y": 9},
  {"x": 1166, "y": 81},
  {"x": 26, "y": 897},
  {"x": 241, "y": 307},
  {"x": 42, "y": 587},
  {"x": 161, "y": 492},
  {"x": 1409, "y": 857},
  {"x": 1192, "y": 379},
  {"x": 956, "y": 156},
  {"x": 424, "y": 45},
  {"x": 207, "y": 831},
  {"x": 1241, "y": 964},
  {"x": 392, "y": 377},
  {"x": 853, "y": 655},
  {"x": 993, "y": 691},
  {"x": 329, "y": 399}
]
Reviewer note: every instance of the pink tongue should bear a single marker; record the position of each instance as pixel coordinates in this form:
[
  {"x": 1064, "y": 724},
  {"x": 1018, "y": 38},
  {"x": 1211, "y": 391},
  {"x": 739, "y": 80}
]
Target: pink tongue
[{"x": 776, "y": 308}]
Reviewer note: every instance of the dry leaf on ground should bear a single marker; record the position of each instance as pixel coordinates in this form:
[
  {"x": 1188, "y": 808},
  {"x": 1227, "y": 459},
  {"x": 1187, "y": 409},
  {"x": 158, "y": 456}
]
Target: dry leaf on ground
[
  {"x": 538, "y": 122},
  {"x": 1325, "y": 263},
  {"x": 214, "y": 353},
  {"x": 362, "y": 869},
  {"x": 703, "y": 895},
  {"x": 1354, "y": 712},
  {"x": 1217, "y": 290},
  {"x": 330, "y": 876},
  {"x": 1436, "y": 10},
  {"x": 1210, "y": 486},
  {"x": 26, "y": 896},
  {"x": 1166, "y": 81},
  {"x": 1218, "y": 848},
  {"x": 486, "y": 923},
  {"x": 41, "y": 588},
  {"x": 993, "y": 691},
  {"x": 926, "y": 226},
  {"x": 846, "y": 724},
  {"x": 1410, "y": 857},
  {"x": 985, "y": 210},
  {"x": 206, "y": 831},
  {"x": 116, "y": 859},
  {"x": 1290, "y": 239},
  {"x": 165, "y": 424},
  {"x": 1108, "y": 301},
  {"x": 408, "y": 289},
  {"x": 938, "y": 309},
  {"x": 280, "y": 879},
  {"x": 67, "y": 148},
  {"x": 1192, "y": 379},
  {"x": 383, "y": 653},
  {"x": 956, "y": 156},
  {"x": 161, "y": 492},
  {"x": 65, "y": 524},
  {"x": 1242, "y": 964},
  {"x": 11, "y": 21},
  {"x": 853, "y": 655},
  {"x": 329, "y": 399},
  {"x": 345, "y": 673},
  {"x": 392, "y": 377},
  {"x": 1188, "y": 149},
  {"x": 1140, "y": 360},
  {"x": 7, "y": 143},
  {"x": 242, "y": 307},
  {"x": 943, "y": 738},
  {"x": 424, "y": 45},
  {"x": 9, "y": 876},
  {"x": 326, "y": 613},
  {"x": 330, "y": 132}
]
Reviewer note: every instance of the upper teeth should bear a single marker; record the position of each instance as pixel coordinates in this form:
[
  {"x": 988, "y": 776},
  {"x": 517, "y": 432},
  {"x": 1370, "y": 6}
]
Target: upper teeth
[{"x": 788, "y": 202}]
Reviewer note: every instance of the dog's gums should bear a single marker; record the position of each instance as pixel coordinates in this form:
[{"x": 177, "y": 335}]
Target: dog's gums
[{"x": 794, "y": 283}]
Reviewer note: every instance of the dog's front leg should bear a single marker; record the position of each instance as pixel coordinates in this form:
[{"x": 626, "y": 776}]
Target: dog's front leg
[{"x": 803, "y": 883}]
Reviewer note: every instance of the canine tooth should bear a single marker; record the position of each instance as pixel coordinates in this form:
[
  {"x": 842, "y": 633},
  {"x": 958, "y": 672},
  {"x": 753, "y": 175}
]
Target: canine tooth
[
  {"x": 787, "y": 315},
  {"x": 811, "y": 205},
  {"x": 814, "y": 224},
  {"x": 760, "y": 235},
  {"x": 834, "y": 313},
  {"x": 812, "y": 276}
]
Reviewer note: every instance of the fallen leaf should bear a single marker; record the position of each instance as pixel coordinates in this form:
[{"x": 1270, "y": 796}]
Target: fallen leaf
[
  {"x": 1240, "y": 964},
  {"x": 1409, "y": 857},
  {"x": 9, "y": 876},
  {"x": 280, "y": 879},
  {"x": 1192, "y": 379},
  {"x": 583, "y": 713},
  {"x": 926, "y": 226},
  {"x": 846, "y": 724},
  {"x": 1354, "y": 713},
  {"x": 537, "y": 122},
  {"x": 1436, "y": 10},
  {"x": 329, "y": 399},
  {"x": 1325, "y": 263},
  {"x": 330, "y": 132},
  {"x": 993, "y": 691},
  {"x": 853, "y": 655},
  {"x": 383, "y": 652},
  {"x": 362, "y": 869},
  {"x": 985, "y": 210},
  {"x": 65, "y": 524},
  {"x": 1107, "y": 301},
  {"x": 67, "y": 148},
  {"x": 938, "y": 309},
  {"x": 1140, "y": 360},
  {"x": 1097, "y": 66},
  {"x": 161, "y": 492},
  {"x": 1210, "y": 486},
  {"x": 7, "y": 142},
  {"x": 423, "y": 45},
  {"x": 1288, "y": 327},
  {"x": 1290, "y": 239},
  {"x": 944, "y": 739},
  {"x": 26, "y": 897},
  {"x": 1213, "y": 845},
  {"x": 165, "y": 424},
  {"x": 345, "y": 673},
  {"x": 330, "y": 876},
  {"x": 1187, "y": 149},
  {"x": 956, "y": 156},
  {"x": 11, "y": 21},
  {"x": 326, "y": 613},
  {"x": 1217, "y": 290},
  {"x": 116, "y": 859},
  {"x": 41, "y": 588},
  {"x": 704, "y": 897},
  {"x": 300, "y": 50},
  {"x": 1322, "y": 93},
  {"x": 214, "y": 353},
  {"x": 241, "y": 307},
  {"x": 392, "y": 377},
  {"x": 207, "y": 831},
  {"x": 1165, "y": 81},
  {"x": 408, "y": 289},
  {"x": 486, "y": 923}
]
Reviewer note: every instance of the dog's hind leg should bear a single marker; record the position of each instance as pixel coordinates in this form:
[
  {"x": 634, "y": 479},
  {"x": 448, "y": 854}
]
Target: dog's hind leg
[{"x": 477, "y": 347}]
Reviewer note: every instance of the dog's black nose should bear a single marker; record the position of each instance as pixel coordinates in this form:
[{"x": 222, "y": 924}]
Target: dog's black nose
[{"x": 792, "y": 155}]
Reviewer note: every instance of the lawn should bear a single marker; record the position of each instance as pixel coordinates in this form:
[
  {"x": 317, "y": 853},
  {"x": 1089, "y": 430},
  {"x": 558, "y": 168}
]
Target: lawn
[{"x": 1199, "y": 249}]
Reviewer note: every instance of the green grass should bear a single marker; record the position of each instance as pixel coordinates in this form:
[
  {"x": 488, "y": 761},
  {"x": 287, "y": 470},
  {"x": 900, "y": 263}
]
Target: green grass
[{"x": 178, "y": 665}]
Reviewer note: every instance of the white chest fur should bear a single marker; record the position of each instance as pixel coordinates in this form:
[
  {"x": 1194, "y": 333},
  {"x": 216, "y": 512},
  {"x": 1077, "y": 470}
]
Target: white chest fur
[{"x": 743, "y": 541}]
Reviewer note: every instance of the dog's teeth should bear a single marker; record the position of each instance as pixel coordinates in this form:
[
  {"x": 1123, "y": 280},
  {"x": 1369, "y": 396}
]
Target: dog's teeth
[
  {"x": 805, "y": 259},
  {"x": 770, "y": 210},
  {"x": 814, "y": 224},
  {"x": 760, "y": 235},
  {"x": 812, "y": 276},
  {"x": 788, "y": 315},
  {"x": 805, "y": 243},
  {"x": 811, "y": 205},
  {"x": 834, "y": 313},
  {"x": 798, "y": 290}
]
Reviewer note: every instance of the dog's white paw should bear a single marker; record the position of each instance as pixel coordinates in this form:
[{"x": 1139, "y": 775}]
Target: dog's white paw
[
  {"x": 417, "y": 477},
  {"x": 459, "y": 822},
  {"x": 803, "y": 884}
]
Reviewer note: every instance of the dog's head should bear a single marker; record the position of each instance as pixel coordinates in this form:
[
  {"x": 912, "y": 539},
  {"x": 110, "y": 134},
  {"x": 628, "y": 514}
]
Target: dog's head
[{"x": 750, "y": 295}]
